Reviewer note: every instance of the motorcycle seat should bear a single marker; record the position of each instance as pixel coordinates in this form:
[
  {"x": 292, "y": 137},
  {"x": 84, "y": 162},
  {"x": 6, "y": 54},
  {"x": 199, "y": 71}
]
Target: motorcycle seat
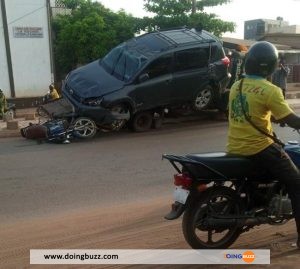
[{"x": 230, "y": 165}]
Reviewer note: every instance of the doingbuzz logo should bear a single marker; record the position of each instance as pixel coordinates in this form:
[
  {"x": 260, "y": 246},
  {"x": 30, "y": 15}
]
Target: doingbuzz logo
[{"x": 248, "y": 256}]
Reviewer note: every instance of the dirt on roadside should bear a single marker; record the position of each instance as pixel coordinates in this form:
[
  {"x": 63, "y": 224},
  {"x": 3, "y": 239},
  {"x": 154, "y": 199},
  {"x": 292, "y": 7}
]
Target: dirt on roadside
[{"x": 131, "y": 226}]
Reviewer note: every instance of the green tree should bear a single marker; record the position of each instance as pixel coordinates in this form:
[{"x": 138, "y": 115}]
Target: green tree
[
  {"x": 190, "y": 13},
  {"x": 87, "y": 33}
]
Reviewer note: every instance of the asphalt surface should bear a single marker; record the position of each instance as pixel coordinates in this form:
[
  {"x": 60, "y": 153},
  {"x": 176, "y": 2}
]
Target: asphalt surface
[
  {"x": 113, "y": 168},
  {"x": 111, "y": 192}
]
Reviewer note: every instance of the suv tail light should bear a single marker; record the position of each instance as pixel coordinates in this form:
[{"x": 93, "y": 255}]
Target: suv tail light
[
  {"x": 182, "y": 180},
  {"x": 226, "y": 61}
]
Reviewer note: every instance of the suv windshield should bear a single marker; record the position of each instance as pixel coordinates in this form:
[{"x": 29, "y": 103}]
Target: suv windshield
[{"x": 123, "y": 63}]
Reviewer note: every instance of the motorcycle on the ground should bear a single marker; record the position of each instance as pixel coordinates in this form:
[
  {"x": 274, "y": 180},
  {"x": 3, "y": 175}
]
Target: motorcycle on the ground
[{"x": 223, "y": 196}]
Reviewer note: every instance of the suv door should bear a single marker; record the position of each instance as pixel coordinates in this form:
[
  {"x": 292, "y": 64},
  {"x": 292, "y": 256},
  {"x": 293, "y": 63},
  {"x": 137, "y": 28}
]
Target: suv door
[
  {"x": 190, "y": 71},
  {"x": 155, "y": 90}
]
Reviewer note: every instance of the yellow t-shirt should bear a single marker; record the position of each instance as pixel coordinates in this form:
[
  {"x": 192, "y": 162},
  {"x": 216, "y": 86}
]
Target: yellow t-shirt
[
  {"x": 54, "y": 94},
  {"x": 260, "y": 99}
]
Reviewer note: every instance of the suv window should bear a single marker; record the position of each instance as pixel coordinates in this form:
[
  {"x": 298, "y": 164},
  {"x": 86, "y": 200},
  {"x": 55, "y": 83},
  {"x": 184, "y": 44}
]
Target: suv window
[
  {"x": 217, "y": 53},
  {"x": 191, "y": 59},
  {"x": 123, "y": 63},
  {"x": 159, "y": 67}
]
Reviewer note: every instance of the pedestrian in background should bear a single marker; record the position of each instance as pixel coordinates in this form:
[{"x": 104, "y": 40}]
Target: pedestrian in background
[
  {"x": 279, "y": 77},
  {"x": 3, "y": 104},
  {"x": 236, "y": 67},
  {"x": 53, "y": 92}
]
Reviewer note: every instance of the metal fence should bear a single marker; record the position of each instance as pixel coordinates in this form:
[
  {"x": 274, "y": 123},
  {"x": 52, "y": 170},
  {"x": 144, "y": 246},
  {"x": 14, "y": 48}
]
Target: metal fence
[{"x": 294, "y": 75}]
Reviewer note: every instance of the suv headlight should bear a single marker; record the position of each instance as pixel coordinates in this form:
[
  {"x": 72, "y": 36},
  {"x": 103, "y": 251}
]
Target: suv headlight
[{"x": 93, "y": 101}]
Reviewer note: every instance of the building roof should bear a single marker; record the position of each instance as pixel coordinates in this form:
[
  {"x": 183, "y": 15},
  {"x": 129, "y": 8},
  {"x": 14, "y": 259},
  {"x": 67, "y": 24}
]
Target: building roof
[
  {"x": 243, "y": 45},
  {"x": 270, "y": 21},
  {"x": 290, "y": 41},
  {"x": 242, "y": 42},
  {"x": 293, "y": 35}
]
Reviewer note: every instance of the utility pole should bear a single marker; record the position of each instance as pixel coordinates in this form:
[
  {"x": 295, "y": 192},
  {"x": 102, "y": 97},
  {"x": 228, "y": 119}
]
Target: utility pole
[
  {"x": 50, "y": 37},
  {"x": 7, "y": 47},
  {"x": 193, "y": 7}
]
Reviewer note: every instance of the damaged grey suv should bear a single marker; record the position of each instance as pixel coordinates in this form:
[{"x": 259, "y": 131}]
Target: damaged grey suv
[{"x": 139, "y": 80}]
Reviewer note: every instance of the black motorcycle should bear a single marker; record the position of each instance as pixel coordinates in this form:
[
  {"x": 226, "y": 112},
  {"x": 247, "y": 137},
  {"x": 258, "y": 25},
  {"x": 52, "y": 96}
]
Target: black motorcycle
[{"x": 223, "y": 196}]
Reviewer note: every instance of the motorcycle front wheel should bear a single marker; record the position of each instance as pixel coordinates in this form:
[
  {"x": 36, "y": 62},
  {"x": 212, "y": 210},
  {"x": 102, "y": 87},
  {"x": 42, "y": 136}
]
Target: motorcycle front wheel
[{"x": 216, "y": 202}]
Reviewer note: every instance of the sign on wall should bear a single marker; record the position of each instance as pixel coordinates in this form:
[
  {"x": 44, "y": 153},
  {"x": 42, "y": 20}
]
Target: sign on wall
[{"x": 28, "y": 32}]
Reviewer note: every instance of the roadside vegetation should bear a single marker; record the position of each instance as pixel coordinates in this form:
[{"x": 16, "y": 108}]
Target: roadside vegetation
[{"x": 90, "y": 30}]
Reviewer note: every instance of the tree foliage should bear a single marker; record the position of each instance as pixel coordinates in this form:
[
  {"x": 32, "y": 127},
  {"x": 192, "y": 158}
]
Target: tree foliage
[
  {"x": 190, "y": 13},
  {"x": 88, "y": 33},
  {"x": 89, "y": 30}
]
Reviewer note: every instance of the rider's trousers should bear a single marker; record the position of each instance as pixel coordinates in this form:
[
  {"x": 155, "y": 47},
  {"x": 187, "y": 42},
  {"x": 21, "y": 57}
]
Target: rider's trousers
[{"x": 279, "y": 166}]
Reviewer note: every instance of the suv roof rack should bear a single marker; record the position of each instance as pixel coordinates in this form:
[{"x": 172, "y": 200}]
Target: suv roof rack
[
  {"x": 172, "y": 28},
  {"x": 194, "y": 37}
]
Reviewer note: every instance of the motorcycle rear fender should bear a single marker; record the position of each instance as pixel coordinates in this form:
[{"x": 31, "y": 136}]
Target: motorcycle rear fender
[
  {"x": 176, "y": 211},
  {"x": 178, "y": 208}
]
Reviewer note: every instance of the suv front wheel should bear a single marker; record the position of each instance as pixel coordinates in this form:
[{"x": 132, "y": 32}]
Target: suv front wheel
[
  {"x": 141, "y": 121},
  {"x": 203, "y": 98}
]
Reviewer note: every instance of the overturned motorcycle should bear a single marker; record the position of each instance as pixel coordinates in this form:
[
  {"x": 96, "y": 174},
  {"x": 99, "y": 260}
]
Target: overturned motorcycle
[
  {"x": 223, "y": 196},
  {"x": 57, "y": 131},
  {"x": 86, "y": 126}
]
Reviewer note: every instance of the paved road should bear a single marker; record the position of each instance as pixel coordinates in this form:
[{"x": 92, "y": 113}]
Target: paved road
[
  {"x": 42, "y": 179},
  {"x": 110, "y": 192}
]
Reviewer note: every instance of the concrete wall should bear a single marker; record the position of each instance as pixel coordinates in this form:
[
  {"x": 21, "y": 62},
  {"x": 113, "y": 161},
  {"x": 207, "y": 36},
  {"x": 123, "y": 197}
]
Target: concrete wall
[
  {"x": 291, "y": 29},
  {"x": 30, "y": 55},
  {"x": 292, "y": 58},
  {"x": 292, "y": 40},
  {"x": 4, "y": 79}
]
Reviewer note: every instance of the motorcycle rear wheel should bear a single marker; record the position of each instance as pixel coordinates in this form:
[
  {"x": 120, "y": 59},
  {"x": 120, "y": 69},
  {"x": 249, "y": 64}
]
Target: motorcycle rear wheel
[{"x": 221, "y": 201}]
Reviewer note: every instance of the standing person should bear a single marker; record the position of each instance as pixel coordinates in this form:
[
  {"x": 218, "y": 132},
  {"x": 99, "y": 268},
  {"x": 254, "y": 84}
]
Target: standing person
[
  {"x": 279, "y": 77},
  {"x": 53, "y": 92},
  {"x": 236, "y": 69},
  {"x": 236, "y": 66},
  {"x": 3, "y": 104},
  {"x": 252, "y": 101}
]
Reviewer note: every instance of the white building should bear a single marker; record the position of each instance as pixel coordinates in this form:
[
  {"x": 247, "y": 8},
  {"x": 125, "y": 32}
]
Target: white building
[{"x": 26, "y": 66}]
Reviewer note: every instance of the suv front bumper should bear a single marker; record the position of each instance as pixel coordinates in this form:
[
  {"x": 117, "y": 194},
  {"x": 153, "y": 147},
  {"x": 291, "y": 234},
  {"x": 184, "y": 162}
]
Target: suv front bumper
[{"x": 100, "y": 115}]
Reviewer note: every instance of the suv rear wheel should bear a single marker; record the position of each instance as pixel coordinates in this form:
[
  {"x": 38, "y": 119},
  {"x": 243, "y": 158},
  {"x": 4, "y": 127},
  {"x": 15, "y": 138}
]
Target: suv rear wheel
[{"x": 204, "y": 98}]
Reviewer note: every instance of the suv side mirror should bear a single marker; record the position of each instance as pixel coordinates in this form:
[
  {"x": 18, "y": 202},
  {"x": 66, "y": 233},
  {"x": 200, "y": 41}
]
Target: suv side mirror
[{"x": 144, "y": 77}]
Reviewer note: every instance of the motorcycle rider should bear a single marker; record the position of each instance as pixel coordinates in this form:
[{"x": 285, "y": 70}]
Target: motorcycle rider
[{"x": 254, "y": 99}]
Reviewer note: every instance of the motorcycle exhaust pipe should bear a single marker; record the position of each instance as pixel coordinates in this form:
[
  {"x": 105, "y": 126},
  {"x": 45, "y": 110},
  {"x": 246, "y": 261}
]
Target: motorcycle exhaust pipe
[{"x": 214, "y": 223}]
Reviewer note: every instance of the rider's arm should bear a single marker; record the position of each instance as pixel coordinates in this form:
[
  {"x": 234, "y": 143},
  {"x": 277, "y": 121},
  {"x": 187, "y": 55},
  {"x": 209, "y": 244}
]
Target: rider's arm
[
  {"x": 291, "y": 120},
  {"x": 281, "y": 110}
]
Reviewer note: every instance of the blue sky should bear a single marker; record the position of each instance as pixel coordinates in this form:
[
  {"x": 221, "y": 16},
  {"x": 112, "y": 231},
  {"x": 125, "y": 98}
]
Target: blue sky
[{"x": 237, "y": 11}]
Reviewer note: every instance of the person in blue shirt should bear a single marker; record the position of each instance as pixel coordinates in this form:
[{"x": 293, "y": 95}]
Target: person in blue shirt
[{"x": 279, "y": 77}]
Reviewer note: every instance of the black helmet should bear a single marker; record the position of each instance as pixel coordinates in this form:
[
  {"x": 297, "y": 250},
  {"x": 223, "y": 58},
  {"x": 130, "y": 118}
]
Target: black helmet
[{"x": 261, "y": 59}]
